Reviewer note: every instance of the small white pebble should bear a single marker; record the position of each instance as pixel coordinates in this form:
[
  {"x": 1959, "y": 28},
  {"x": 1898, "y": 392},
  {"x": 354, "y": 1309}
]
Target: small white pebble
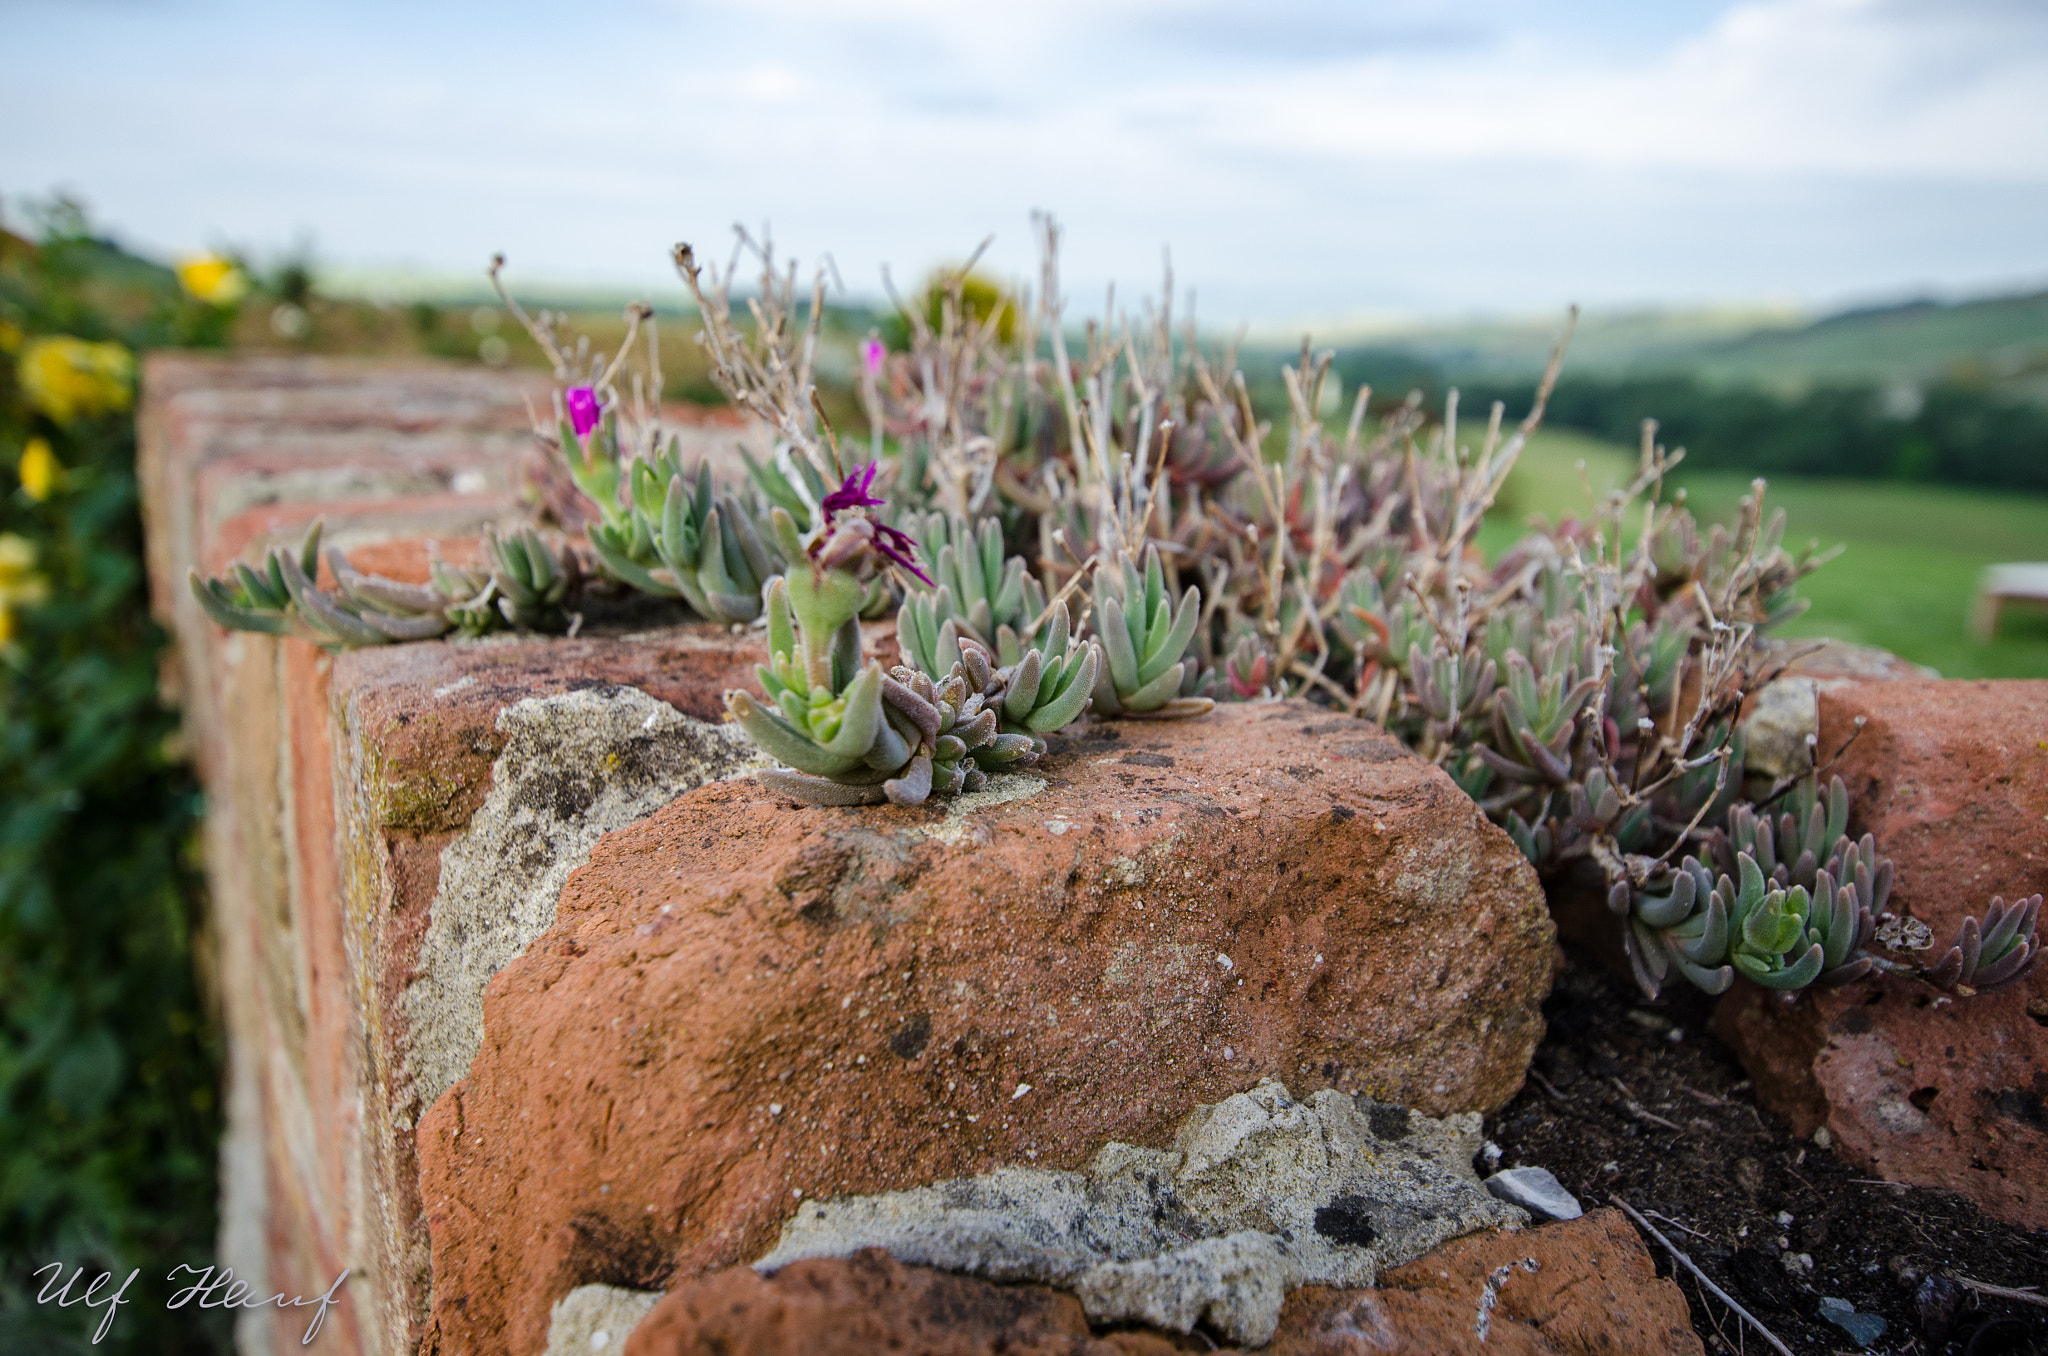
[
  {"x": 1225, "y": 961},
  {"x": 1610, "y": 1167},
  {"x": 1675, "y": 1035},
  {"x": 600, "y": 1339},
  {"x": 1822, "y": 1139},
  {"x": 1056, "y": 827},
  {"x": 797, "y": 1192},
  {"x": 1319, "y": 958},
  {"x": 1228, "y": 1053},
  {"x": 775, "y": 1108},
  {"x": 1784, "y": 1219},
  {"x": 1022, "y": 1088},
  {"x": 972, "y": 1119}
]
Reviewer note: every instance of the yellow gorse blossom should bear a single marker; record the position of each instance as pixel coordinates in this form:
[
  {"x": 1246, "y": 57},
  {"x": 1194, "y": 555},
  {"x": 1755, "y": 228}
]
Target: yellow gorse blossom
[
  {"x": 212, "y": 279},
  {"x": 69, "y": 378},
  {"x": 20, "y": 585},
  {"x": 39, "y": 469}
]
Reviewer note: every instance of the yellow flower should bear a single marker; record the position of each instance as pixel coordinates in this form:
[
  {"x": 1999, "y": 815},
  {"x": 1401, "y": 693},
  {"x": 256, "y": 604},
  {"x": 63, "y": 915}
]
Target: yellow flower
[
  {"x": 39, "y": 469},
  {"x": 212, "y": 279},
  {"x": 20, "y": 585},
  {"x": 70, "y": 378}
]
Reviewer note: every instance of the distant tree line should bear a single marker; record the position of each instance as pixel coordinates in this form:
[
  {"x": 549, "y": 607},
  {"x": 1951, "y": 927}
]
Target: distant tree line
[{"x": 1947, "y": 432}]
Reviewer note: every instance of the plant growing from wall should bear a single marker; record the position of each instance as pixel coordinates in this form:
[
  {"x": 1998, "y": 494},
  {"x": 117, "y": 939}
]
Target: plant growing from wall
[
  {"x": 1585, "y": 687},
  {"x": 852, "y": 734}
]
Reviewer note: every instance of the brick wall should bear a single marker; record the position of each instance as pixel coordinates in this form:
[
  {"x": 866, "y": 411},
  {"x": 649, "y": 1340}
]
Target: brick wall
[{"x": 335, "y": 781}]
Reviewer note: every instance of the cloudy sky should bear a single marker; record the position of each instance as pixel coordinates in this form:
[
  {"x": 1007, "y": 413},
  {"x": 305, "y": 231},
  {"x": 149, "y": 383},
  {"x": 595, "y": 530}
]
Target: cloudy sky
[{"x": 1302, "y": 159}]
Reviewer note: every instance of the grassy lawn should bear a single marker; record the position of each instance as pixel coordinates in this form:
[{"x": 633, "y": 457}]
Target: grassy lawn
[{"x": 1905, "y": 579}]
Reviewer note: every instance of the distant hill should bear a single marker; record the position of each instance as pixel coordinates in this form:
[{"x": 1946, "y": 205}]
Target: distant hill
[
  {"x": 1993, "y": 343},
  {"x": 1937, "y": 392},
  {"x": 1999, "y": 342}
]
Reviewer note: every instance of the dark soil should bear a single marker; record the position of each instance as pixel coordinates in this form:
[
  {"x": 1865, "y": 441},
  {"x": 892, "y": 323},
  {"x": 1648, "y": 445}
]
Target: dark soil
[{"x": 1616, "y": 1074}]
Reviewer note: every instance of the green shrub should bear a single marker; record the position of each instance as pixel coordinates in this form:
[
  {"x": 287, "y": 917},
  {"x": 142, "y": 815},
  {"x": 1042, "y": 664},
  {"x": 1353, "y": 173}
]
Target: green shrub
[{"x": 109, "y": 1063}]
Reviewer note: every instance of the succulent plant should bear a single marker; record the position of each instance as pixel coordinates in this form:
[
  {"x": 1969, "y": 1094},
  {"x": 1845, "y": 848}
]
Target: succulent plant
[
  {"x": 1450, "y": 687},
  {"x": 1536, "y": 716},
  {"x": 977, "y": 592},
  {"x": 522, "y": 582},
  {"x": 1992, "y": 954},
  {"x": 247, "y": 599},
  {"x": 1248, "y": 668},
  {"x": 667, "y": 532},
  {"x": 1791, "y": 849},
  {"x": 852, "y": 734},
  {"x": 1144, "y": 634},
  {"x": 1782, "y": 938},
  {"x": 1684, "y": 928},
  {"x": 1371, "y": 627},
  {"x": 1783, "y": 926}
]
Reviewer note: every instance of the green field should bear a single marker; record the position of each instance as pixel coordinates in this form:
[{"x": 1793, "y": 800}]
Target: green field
[{"x": 1908, "y": 571}]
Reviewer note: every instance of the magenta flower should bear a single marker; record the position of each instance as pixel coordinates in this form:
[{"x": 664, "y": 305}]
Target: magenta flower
[
  {"x": 872, "y": 353},
  {"x": 898, "y": 546},
  {"x": 891, "y": 544},
  {"x": 583, "y": 409}
]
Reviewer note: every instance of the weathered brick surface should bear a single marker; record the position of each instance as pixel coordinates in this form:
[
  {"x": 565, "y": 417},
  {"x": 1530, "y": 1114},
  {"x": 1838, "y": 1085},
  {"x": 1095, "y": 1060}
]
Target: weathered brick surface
[
  {"x": 334, "y": 782},
  {"x": 741, "y": 1004}
]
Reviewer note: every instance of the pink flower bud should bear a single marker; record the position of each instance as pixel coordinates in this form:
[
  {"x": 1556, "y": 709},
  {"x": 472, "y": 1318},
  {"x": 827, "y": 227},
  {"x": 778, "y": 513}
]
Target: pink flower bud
[
  {"x": 872, "y": 353},
  {"x": 583, "y": 410}
]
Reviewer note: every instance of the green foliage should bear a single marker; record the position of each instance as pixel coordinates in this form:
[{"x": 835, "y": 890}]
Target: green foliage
[
  {"x": 1145, "y": 633},
  {"x": 1797, "y": 902},
  {"x": 980, "y": 595},
  {"x": 851, "y": 734},
  {"x": 109, "y": 1062},
  {"x": 521, "y": 581},
  {"x": 1994, "y": 953},
  {"x": 669, "y": 533}
]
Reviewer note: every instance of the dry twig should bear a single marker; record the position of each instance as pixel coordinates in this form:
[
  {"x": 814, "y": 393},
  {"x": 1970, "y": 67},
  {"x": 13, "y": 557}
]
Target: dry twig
[{"x": 1722, "y": 1295}]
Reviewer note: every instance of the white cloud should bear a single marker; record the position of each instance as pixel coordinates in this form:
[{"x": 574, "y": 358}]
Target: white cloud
[{"x": 1307, "y": 158}]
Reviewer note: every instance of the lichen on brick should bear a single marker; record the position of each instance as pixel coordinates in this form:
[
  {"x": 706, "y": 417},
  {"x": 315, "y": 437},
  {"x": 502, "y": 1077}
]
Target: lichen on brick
[{"x": 574, "y": 767}]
